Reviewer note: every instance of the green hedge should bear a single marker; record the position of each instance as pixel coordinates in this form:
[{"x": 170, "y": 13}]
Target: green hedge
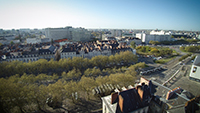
[{"x": 184, "y": 57}]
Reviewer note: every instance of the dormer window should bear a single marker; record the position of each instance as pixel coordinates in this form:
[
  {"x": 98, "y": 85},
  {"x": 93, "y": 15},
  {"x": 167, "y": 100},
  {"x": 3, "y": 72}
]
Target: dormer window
[{"x": 194, "y": 69}]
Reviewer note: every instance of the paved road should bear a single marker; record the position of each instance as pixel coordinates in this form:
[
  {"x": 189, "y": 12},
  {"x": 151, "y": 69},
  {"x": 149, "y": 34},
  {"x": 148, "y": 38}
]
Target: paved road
[
  {"x": 182, "y": 77},
  {"x": 169, "y": 70}
]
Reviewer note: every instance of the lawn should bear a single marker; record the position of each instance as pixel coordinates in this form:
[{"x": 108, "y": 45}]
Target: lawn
[{"x": 165, "y": 60}]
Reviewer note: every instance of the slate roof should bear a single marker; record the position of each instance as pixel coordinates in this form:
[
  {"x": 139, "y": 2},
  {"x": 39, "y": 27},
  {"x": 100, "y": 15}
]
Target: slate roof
[
  {"x": 129, "y": 100},
  {"x": 68, "y": 50},
  {"x": 197, "y": 61},
  {"x": 52, "y": 48}
]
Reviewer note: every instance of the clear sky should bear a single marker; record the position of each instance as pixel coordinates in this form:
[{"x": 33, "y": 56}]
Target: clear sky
[{"x": 117, "y": 14}]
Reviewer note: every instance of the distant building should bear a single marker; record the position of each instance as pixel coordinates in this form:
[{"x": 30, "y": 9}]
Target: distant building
[
  {"x": 116, "y": 33},
  {"x": 33, "y": 40},
  {"x": 157, "y": 32},
  {"x": 58, "y": 33},
  {"x": 47, "y": 52},
  {"x": 154, "y": 36},
  {"x": 136, "y": 40},
  {"x": 68, "y": 53},
  {"x": 198, "y": 36},
  {"x": 80, "y": 34},
  {"x": 73, "y": 34},
  {"x": 43, "y": 40},
  {"x": 130, "y": 35},
  {"x": 107, "y": 36}
]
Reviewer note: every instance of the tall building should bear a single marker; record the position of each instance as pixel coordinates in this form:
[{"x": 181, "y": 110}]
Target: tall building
[
  {"x": 157, "y": 32},
  {"x": 154, "y": 35},
  {"x": 58, "y": 33},
  {"x": 73, "y": 34},
  {"x": 116, "y": 33},
  {"x": 80, "y": 34}
]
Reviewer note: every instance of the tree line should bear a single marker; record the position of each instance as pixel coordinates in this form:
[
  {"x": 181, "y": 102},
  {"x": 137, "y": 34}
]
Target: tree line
[
  {"x": 28, "y": 92},
  {"x": 192, "y": 49},
  {"x": 184, "y": 56},
  {"x": 7, "y": 69},
  {"x": 156, "y": 51},
  {"x": 182, "y": 41}
]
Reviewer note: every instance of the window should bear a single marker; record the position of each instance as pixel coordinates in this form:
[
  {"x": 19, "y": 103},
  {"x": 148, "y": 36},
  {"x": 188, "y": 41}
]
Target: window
[{"x": 194, "y": 69}]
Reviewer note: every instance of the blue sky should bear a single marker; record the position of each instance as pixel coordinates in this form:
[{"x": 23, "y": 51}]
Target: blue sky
[{"x": 117, "y": 14}]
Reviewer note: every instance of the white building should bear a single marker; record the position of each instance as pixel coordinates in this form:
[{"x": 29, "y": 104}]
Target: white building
[
  {"x": 58, "y": 33},
  {"x": 141, "y": 36},
  {"x": 24, "y": 58},
  {"x": 158, "y": 38},
  {"x": 33, "y": 40},
  {"x": 74, "y": 34},
  {"x": 80, "y": 34},
  {"x": 124, "y": 35},
  {"x": 154, "y": 36},
  {"x": 68, "y": 53},
  {"x": 116, "y": 33},
  {"x": 195, "y": 69},
  {"x": 157, "y": 32},
  {"x": 136, "y": 40},
  {"x": 106, "y": 36},
  {"x": 45, "y": 40}
]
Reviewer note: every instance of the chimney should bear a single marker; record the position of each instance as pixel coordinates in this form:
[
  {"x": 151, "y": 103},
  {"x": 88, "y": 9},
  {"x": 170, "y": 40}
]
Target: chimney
[
  {"x": 140, "y": 92},
  {"x": 169, "y": 94},
  {"x": 121, "y": 102},
  {"x": 114, "y": 97}
]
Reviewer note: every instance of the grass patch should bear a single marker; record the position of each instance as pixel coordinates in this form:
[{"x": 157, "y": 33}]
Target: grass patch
[{"x": 165, "y": 60}]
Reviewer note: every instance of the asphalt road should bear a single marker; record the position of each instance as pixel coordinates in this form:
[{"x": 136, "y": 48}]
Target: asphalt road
[{"x": 181, "y": 79}]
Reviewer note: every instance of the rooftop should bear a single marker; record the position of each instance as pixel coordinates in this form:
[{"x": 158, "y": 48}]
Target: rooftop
[
  {"x": 128, "y": 100},
  {"x": 197, "y": 61}
]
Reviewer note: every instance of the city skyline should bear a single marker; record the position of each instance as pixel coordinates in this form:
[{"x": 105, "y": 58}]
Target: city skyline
[{"x": 111, "y": 14}]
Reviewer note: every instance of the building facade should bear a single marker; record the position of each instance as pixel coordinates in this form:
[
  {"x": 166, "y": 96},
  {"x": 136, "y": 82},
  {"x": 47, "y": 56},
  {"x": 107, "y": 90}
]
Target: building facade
[
  {"x": 195, "y": 69},
  {"x": 73, "y": 34},
  {"x": 154, "y": 36},
  {"x": 116, "y": 33}
]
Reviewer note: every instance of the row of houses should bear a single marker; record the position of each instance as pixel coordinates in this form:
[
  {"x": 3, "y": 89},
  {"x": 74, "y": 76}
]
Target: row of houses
[{"x": 84, "y": 50}]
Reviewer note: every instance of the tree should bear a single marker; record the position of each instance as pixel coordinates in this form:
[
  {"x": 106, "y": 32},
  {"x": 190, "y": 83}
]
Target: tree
[
  {"x": 99, "y": 61},
  {"x": 122, "y": 79},
  {"x": 111, "y": 61},
  {"x": 87, "y": 84},
  {"x": 133, "y": 45},
  {"x": 154, "y": 51},
  {"x": 11, "y": 42},
  {"x": 13, "y": 93},
  {"x": 94, "y": 72},
  {"x": 57, "y": 93},
  {"x": 128, "y": 57},
  {"x": 153, "y": 42},
  {"x": 73, "y": 74},
  {"x": 182, "y": 37},
  {"x": 101, "y": 80},
  {"x": 57, "y": 55},
  {"x": 71, "y": 87},
  {"x": 52, "y": 41}
]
